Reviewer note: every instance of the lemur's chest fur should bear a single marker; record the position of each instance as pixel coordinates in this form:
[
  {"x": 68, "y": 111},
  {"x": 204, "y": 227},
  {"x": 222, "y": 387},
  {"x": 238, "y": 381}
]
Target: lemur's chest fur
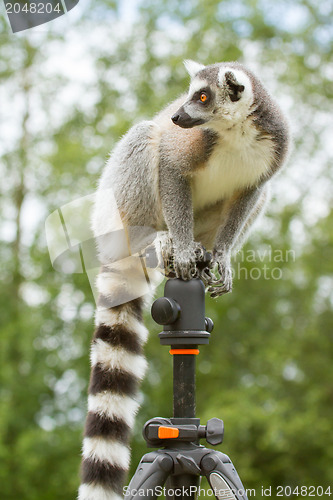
[{"x": 240, "y": 159}]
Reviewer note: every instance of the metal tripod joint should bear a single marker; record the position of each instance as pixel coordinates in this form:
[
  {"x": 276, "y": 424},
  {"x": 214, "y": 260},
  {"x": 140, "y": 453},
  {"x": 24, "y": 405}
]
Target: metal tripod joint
[
  {"x": 162, "y": 431},
  {"x": 190, "y": 461}
]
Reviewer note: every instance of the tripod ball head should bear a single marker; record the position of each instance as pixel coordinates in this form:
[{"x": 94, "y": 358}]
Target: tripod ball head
[{"x": 182, "y": 313}]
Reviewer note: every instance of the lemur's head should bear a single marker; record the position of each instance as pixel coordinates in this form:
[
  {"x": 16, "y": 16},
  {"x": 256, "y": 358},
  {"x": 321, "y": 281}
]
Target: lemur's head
[{"x": 220, "y": 96}]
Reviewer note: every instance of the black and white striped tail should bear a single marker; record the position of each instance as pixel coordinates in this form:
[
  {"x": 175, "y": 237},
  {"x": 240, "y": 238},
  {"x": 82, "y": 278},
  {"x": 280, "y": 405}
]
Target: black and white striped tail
[{"x": 118, "y": 365}]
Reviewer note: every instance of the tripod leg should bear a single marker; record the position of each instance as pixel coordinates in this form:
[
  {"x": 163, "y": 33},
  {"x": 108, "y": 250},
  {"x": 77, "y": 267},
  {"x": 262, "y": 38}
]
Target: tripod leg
[
  {"x": 150, "y": 474},
  {"x": 182, "y": 486},
  {"x": 222, "y": 477}
]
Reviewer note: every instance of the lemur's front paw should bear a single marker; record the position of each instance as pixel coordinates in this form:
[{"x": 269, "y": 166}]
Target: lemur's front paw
[
  {"x": 164, "y": 249},
  {"x": 223, "y": 284},
  {"x": 185, "y": 260}
]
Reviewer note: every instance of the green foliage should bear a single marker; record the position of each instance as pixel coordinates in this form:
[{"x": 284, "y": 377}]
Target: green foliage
[{"x": 267, "y": 371}]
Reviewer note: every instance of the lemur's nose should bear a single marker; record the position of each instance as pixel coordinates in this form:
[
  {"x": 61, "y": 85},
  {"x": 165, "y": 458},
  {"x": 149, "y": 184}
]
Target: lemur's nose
[{"x": 175, "y": 117}]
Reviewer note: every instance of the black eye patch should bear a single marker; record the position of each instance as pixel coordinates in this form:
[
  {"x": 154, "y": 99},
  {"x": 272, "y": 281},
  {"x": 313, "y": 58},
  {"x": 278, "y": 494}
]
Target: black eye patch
[
  {"x": 235, "y": 88},
  {"x": 206, "y": 91}
]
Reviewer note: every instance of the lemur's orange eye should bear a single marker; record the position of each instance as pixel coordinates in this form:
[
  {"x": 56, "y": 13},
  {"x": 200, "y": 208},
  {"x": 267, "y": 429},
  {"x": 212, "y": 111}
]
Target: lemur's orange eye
[{"x": 203, "y": 97}]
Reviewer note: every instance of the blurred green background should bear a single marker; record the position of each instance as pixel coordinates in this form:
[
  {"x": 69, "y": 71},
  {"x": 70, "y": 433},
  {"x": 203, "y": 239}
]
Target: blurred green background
[{"x": 69, "y": 90}]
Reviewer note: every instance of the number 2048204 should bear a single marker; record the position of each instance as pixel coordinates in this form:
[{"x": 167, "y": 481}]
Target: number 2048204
[
  {"x": 33, "y": 8},
  {"x": 303, "y": 491}
]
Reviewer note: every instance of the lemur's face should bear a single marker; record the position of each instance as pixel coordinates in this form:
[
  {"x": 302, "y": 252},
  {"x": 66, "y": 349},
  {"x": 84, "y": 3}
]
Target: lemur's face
[{"x": 219, "y": 97}]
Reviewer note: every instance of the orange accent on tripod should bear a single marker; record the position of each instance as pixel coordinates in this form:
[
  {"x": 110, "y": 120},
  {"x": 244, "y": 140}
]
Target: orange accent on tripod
[
  {"x": 184, "y": 351},
  {"x": 168, "y": 432}
]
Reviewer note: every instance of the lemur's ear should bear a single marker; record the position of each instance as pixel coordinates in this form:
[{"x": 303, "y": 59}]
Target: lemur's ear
[
  {"x": 193, "y": 67},
  {"x": 235, "y": 88}
]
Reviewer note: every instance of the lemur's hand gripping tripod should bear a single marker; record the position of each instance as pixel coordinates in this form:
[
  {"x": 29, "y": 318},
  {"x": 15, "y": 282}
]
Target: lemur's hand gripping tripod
[{"x": 182, "y": 460}]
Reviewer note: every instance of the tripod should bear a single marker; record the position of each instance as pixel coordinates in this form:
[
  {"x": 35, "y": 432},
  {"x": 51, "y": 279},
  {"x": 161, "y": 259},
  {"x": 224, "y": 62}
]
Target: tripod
[{"x": 182, "y": 461}]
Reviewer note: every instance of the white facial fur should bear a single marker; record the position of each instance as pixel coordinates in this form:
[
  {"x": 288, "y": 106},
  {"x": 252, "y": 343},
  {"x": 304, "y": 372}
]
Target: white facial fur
[{"x": 196, "y": 85}]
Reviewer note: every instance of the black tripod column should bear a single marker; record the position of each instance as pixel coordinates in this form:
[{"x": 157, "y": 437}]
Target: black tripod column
[
  {"x": 182, "y": 313},
  {"x": 183, "y": 384}
]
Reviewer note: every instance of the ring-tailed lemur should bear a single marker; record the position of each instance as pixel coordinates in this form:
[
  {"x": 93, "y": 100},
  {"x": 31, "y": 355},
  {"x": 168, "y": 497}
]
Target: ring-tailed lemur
[{"x": 198, "y": 175}]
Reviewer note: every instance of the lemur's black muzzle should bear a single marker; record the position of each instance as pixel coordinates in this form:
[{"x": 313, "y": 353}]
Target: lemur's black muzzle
[{"x": 184, "y": 120}]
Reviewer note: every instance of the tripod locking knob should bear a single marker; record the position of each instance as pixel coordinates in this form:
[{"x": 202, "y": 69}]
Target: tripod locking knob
[
  {"x": 165, "y": 311},
  {"x": 209, "y": 325},
  {"x": 214, "y": 431}
]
